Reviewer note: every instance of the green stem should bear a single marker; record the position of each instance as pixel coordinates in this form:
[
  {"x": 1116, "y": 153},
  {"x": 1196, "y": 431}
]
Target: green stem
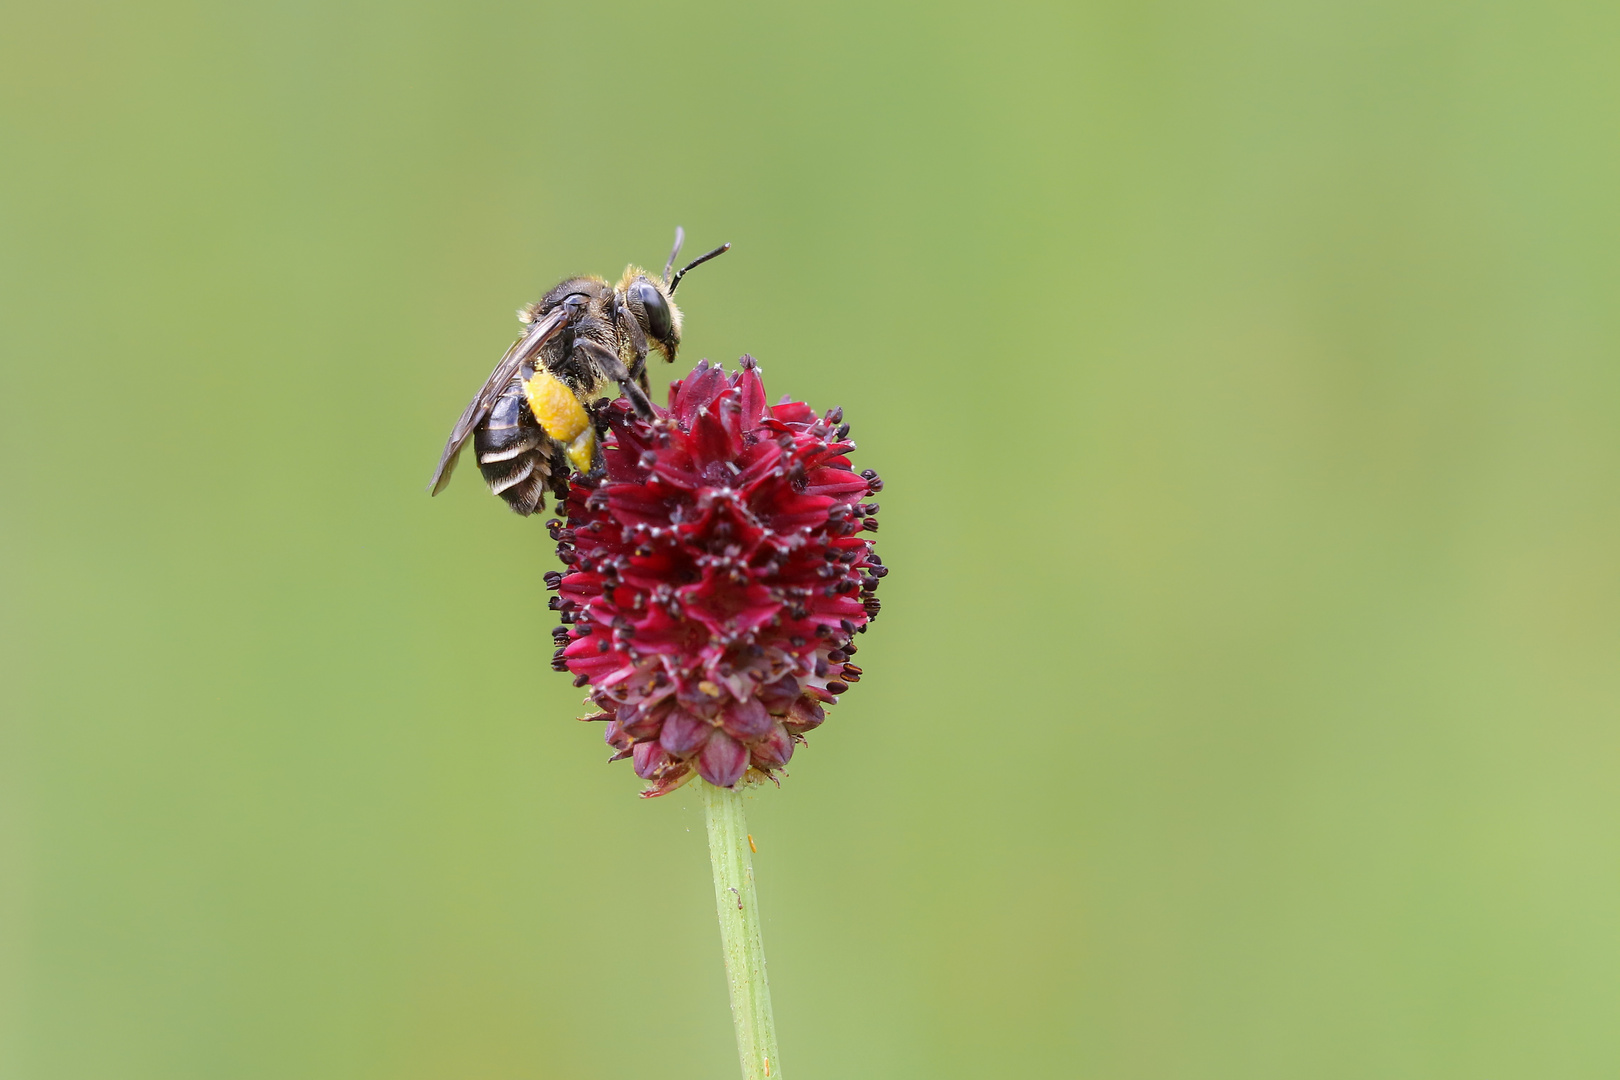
[{"x": 739, "y": 932}]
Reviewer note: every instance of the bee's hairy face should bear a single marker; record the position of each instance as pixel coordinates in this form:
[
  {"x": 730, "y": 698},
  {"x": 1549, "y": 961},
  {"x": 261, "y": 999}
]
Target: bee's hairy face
[{"x": 652, "y": 306}]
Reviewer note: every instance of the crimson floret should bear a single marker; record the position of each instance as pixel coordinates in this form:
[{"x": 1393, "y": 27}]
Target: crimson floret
[{"x": 719, "y": 569}]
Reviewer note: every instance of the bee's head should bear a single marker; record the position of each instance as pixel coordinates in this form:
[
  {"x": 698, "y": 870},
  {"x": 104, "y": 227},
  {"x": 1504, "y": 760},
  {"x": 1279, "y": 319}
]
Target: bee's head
[
  {"x": 652, "y": 306},
  {"x": 652, "y": 300}
]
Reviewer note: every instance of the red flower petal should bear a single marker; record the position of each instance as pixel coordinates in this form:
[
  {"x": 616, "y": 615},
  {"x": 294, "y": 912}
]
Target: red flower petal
[
  {"x": 746, "y": 720},
  {"x": 684, "y": 734},
  {"x": 774, "y": 750},
  {"x": 723, "y": 760}
]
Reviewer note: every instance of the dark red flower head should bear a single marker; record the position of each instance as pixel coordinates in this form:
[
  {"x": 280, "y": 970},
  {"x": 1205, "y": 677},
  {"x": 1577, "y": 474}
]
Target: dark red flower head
[{"x": 718, "y": 572}]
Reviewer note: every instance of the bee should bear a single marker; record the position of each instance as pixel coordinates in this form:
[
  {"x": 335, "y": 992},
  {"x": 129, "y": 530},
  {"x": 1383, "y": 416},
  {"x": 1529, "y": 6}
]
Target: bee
[{"x": 530, "y": 423}]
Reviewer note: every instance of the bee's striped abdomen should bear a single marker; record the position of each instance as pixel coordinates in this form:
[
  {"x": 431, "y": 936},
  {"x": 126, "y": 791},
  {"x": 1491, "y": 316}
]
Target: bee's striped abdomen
[{"x": 518, "y": 460}]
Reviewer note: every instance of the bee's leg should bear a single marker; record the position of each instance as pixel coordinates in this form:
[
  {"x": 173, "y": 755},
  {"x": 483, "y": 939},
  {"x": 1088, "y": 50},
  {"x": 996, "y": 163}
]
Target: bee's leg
[
  {"x": 559, "y": 475},
  {"x": 608, "y": 362},
  {"x": 638, "y": 342}
]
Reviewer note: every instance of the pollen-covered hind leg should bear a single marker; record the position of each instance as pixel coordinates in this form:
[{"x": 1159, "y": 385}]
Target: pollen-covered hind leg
[
  {"x": 566, "y": 420},
  {"x": 555, "y": 407}
]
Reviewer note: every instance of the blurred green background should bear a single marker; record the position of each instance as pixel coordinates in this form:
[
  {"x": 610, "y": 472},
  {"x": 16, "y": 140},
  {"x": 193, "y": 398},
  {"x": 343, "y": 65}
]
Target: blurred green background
[{"x": 1244, "y": 377}]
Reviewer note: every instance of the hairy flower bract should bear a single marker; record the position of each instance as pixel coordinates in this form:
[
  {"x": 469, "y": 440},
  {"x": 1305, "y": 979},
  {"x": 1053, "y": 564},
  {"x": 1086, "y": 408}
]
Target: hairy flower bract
[{"x": 719, "y": 569}]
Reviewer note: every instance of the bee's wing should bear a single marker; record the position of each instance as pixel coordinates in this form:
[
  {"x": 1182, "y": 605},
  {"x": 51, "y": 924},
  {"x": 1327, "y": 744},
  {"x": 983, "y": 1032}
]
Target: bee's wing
[{"x": 522, "y": 350}]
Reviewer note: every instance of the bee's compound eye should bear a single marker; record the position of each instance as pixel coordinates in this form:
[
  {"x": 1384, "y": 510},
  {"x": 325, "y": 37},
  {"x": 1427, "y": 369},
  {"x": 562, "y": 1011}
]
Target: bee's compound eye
[{"x": 652, "y": 302}]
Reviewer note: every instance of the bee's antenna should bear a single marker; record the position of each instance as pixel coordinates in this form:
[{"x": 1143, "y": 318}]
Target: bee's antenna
[
  {"x": 680, "y": 238},
  {"x": 699, "y": 261}
]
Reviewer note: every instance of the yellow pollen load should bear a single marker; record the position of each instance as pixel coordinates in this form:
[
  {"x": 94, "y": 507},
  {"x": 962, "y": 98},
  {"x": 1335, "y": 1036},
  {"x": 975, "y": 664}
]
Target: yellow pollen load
[
  {"x": 555, "y": 406},
  {"x": 560, "y": 413},
  {"x": 582, "y": 451}
]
